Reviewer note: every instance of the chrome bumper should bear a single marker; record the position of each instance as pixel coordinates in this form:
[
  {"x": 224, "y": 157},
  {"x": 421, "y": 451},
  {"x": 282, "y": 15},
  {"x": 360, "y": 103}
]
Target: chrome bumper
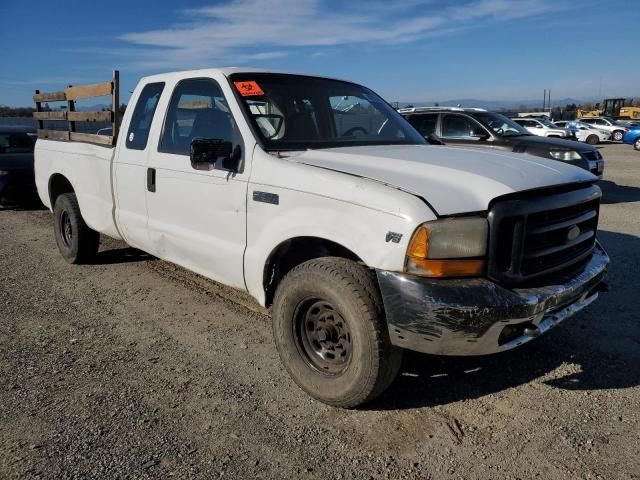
[{"x": 479, "y": 317}]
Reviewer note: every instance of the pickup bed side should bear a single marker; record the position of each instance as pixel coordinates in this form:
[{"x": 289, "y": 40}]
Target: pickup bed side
[{"x": 84, "y": 168}]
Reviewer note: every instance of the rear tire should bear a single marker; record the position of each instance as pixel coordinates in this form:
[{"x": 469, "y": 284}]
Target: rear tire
[
  {"x": 593, "y": 140},
  {"x": 329, "y": 329},
  {"x": 636, "y": 144},
  {"x": 617, "y": 135},
  {"x": 76, "y": 241}
]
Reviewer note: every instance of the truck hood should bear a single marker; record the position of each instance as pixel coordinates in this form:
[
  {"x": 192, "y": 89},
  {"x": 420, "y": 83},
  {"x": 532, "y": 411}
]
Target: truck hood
[{"x": 452, "y": 180}]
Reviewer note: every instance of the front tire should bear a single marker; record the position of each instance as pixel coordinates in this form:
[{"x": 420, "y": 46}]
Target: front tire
[
  {"x": 617, "y": 135},
  {"x": 76, "y": 241},
  {"x": 593, "y": 139},
  {"x": 636, "y": 144},
  {"x": 329, "y": 329}
]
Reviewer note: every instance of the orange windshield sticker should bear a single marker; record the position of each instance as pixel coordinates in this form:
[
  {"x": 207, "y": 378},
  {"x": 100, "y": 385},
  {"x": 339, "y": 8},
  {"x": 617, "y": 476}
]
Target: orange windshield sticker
[{"x": 248, "y": 89}]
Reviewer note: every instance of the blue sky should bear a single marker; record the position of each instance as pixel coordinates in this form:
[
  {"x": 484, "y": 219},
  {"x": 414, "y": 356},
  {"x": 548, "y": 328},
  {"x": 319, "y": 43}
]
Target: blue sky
[{"x": 412, "y": 50}]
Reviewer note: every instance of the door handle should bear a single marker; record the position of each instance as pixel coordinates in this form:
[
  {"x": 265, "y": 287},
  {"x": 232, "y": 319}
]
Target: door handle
[{"x": 151, "y": 179}]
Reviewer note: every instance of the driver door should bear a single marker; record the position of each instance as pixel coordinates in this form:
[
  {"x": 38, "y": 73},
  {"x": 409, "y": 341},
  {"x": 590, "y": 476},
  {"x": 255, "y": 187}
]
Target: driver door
[{"x": 197, "y": 218}]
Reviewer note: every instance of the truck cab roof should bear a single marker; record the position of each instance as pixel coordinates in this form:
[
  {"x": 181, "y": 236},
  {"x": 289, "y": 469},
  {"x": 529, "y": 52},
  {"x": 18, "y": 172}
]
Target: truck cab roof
[{"x": 226, "y": 71}]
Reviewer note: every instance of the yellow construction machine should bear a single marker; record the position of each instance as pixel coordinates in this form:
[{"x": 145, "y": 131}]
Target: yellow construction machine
[{"x": 618, "y": 108}]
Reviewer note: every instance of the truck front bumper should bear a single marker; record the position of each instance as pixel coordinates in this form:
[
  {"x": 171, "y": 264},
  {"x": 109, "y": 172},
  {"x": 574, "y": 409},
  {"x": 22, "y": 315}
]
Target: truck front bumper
[{"x": 477, "y": 316}]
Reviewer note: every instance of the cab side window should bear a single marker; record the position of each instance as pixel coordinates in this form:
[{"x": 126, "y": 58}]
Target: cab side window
[
  {"x": 197, "y": 109},
  {"x": 425, "y": 124},
  {"x": 140, "y": 124},
  {"x": 459, "y": 126}
]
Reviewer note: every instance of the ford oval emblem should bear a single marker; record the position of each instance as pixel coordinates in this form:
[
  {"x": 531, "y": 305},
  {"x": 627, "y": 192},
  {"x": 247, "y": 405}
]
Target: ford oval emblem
[{"x": 573, "y": 233}]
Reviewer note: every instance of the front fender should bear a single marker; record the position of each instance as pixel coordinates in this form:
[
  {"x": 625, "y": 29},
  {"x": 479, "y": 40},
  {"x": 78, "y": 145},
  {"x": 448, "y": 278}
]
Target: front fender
[{"x": 364, "y": 231}]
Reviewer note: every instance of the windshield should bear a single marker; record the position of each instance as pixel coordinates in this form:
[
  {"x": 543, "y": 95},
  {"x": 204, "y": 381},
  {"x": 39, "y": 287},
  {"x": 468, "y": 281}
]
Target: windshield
[
  {"x": 501, "y": 125},
  {"x": 294, "y": 112}
]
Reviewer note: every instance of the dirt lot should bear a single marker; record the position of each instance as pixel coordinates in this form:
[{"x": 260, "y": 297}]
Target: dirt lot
[{"x": 135, "y": 368}]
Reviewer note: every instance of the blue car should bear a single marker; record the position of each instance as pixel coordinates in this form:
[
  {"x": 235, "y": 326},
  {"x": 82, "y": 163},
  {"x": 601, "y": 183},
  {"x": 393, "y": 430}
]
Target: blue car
[{"x": 632, "y": 137}]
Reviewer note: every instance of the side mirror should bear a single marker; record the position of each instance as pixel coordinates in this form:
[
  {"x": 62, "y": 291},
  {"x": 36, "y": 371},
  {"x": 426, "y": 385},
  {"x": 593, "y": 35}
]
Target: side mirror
[
  {"x": 480, "y": 136},
  {"x": 205, "y": 152},
  {"x": 433, "y": 139}
]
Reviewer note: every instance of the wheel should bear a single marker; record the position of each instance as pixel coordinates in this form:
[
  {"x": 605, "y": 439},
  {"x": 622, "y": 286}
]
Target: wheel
[
  {"x": 329, "y": 329},
  {"x": 76, "y": 241},
  {"x": 636, "y": 144},
  {"x": 617, "y": 135},
  {"x": 593, "y": 139}
]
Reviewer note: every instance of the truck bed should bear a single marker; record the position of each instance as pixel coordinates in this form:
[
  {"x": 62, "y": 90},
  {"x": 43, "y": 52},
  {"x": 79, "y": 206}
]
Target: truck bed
[{"x": 88, "y": 167}]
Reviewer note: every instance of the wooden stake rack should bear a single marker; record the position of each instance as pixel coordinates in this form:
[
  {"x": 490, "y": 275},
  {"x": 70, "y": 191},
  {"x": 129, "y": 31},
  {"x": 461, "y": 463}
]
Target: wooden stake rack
[{"x": 71, "y": 116}]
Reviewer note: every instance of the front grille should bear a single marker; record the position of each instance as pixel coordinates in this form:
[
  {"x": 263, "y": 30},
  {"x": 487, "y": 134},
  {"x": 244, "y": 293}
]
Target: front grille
[{"x": 536, "y": 235}]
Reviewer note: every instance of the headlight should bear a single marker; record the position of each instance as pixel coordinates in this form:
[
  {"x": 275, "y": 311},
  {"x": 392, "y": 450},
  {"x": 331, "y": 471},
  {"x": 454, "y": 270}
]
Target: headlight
[
  {"x": 2, "y": 172},
  {"x": 565, "y": 155},
  {"x": 453, "y": 247}
]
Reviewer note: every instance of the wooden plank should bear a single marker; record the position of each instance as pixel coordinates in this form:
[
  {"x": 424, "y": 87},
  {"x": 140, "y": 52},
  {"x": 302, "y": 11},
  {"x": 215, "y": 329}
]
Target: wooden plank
[
  {"x": 91, "y": 137},
  {"x": 38, "y": 109},
  {"x": 88, "y": 91},
  {"x": 90, "y": 116},
  {"x": 50, "y": 115},
  {"x": 49, "y": 97},
  {"x": 115, "y": 105},
  {"x": 54, "y": 134},
  {"x": 71, "y": 107}
]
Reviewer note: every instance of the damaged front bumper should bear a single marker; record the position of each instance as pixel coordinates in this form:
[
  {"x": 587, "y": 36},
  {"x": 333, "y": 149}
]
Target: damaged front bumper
[{"x": 477, "y": 316}]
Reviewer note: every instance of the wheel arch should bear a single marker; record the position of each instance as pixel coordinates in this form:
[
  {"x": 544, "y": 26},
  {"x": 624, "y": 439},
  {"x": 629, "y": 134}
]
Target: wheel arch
[
  {"x": 294, "y": 251},
  {"x": 58, "y": 184}
]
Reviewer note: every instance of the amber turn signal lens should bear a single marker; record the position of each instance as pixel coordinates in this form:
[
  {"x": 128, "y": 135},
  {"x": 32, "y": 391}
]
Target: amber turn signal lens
[
  {"x": 419, "y": 246},
  {"x": 445, "y": 268}
]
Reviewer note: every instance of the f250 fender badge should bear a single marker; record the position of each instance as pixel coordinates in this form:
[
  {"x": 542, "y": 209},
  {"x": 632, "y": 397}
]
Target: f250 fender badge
[
  {"x": 266, "y": 197},
  {"x": 393, "y": 237}
]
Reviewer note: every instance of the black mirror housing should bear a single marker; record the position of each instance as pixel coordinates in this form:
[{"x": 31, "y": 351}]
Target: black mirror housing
[
  {"x": 205, "y": 152},
  {"x": 433, "y": 139},
  {"x": 479, "y": 134}
]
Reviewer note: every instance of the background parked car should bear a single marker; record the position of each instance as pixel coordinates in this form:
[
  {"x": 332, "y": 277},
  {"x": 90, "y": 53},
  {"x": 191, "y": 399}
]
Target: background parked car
[
  {"x": 17, "y": 182},
  {"x": 542, "y": 127},
  {"x": 605, "y": 123},
  {"x": 628, "y": 123},
  {"x": 478, "y": 128},
  {"x": 632, "y": 137},
  {"x": 585, "y": 132}
]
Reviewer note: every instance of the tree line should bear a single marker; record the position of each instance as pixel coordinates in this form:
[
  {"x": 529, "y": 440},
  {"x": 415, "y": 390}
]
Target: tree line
[{"x": 6, "y": 111}]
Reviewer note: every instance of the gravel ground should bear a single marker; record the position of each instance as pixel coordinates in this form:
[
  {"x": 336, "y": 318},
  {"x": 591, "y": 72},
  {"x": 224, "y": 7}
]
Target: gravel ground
[{"x": 134, "y": 368}]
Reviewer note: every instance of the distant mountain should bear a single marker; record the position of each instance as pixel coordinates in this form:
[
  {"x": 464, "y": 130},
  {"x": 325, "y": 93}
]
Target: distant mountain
[{"x": 501, "y": 104}]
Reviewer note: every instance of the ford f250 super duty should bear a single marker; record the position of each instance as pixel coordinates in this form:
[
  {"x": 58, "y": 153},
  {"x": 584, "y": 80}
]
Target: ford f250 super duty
[{"x": 322, "y": 202}]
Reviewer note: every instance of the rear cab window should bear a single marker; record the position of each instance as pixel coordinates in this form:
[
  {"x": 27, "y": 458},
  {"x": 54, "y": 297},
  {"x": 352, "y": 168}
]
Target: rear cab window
[{"x": 142, "y": 117}]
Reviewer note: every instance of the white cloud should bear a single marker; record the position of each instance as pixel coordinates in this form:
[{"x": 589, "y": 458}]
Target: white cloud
[{"x": 243, "y": 31}]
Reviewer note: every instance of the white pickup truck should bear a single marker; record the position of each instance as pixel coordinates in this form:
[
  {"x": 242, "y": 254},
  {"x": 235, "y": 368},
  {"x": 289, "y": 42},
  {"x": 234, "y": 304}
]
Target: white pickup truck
[{"x": 320, "y": 200}]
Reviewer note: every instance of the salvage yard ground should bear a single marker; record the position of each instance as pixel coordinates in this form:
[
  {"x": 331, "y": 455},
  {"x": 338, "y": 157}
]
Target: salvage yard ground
[{"x": 135, "y": 368}]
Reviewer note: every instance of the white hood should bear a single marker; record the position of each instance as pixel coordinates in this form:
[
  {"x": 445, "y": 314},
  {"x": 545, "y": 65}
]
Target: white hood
[{"x": 452, "y": 180}]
